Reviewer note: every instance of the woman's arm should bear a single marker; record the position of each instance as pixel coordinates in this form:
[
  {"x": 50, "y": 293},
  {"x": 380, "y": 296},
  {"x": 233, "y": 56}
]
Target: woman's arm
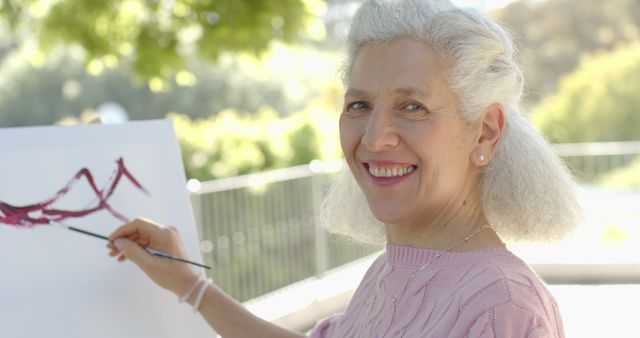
[{"x": 228, "y": 317}]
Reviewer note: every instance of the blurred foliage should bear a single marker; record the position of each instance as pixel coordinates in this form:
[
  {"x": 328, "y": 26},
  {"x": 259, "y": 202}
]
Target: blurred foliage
[
  {"x": 288, "y": 114},
  {"x": 158, "y": 34},
  {"x": 280, "y": 79},
  {"x": 626, "y": 177},
  {"x": 112, "y": 39},
  {"x": 232, "y": 143},
  {"x": 598, "y": 102},
  {"x": 554, "y": 34}
]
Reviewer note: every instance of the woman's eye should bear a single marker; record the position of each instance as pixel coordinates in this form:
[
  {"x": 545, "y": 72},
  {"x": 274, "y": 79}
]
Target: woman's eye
[
  {"x": 415, "y": 110},
  {"x": 356, "y": 107}
]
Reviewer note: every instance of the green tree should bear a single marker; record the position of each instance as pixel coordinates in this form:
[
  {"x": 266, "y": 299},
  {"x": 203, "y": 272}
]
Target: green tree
[
  {"x": 158, "y": 34},
  {"x": 63, "y": 89},
  {"x": 598, "y": 102},
  {"x": 280, "y": 80},
  {"x": 232, "y": 143},
  {"x": 553, "y": 34}
]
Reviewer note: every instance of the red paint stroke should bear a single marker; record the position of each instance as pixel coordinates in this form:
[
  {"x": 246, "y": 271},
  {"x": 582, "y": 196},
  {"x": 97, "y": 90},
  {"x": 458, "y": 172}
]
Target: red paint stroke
[{"x": 23, "y": 216}]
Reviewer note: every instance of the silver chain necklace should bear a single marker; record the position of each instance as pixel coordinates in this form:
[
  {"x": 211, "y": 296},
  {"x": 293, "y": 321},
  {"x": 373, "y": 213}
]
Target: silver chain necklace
[{"x": 395, "y": 300}]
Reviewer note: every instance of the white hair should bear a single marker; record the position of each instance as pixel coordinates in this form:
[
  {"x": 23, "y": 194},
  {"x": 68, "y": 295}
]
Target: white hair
[{"x": 527, "y": 192}]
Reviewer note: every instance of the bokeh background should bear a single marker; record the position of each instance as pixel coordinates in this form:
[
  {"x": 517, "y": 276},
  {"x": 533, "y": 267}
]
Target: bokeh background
[
  {"x": 254, "y": 91},
  {"x": 255, "y": 85}
]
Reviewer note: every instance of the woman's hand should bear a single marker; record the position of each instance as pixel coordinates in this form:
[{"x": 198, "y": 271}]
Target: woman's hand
[
  {"x": 228, "y": 317},
  {"x": 129, "y": 241}
]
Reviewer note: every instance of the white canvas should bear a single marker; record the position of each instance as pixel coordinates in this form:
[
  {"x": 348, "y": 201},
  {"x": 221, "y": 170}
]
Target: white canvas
[{"x": 58, "y": 283}]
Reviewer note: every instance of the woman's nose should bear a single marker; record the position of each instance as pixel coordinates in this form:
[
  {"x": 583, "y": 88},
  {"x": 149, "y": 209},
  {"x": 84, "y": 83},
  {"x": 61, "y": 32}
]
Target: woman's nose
[{"x": 380, "y": 134}]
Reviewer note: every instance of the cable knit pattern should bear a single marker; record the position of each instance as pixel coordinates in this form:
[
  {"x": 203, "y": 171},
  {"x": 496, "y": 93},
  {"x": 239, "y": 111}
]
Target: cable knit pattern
[{"x": 485, "y": 293}]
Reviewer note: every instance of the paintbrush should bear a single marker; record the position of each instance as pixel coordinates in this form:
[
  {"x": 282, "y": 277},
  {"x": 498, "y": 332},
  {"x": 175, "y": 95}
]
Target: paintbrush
[{"x": 149, "y": 250}]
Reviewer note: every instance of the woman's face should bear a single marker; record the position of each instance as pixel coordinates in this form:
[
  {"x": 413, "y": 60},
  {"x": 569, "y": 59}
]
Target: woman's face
[{"x": 402, "y": 136}]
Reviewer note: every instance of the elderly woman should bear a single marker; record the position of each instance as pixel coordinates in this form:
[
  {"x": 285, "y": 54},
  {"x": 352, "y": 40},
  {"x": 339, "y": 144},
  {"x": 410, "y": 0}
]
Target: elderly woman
[{"x": 446, "y": 168}]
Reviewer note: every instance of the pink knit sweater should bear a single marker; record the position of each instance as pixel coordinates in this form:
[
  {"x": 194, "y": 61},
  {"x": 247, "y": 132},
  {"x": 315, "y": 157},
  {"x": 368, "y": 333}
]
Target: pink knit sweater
[{"x": 485, "y": 293}]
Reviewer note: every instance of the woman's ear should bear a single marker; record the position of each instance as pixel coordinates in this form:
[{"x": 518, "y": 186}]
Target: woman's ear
[{"x": 492, "y": 123}]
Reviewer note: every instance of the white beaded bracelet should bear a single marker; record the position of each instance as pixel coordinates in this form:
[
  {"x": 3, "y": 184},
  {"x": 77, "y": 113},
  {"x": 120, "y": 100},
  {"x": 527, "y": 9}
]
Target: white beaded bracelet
[
  {"x": 203, "y": 288},
  {"x": 193, "y": 287}
]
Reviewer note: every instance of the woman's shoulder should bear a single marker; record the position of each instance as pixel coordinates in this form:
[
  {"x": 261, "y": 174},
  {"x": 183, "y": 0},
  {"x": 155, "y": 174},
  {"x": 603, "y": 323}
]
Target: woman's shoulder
[
  {"x": 504, "y": 286},
  {"x": 504, "y": 281},
  {"x": 483, "y": 278},
  {"x": 504, "y": 274}
]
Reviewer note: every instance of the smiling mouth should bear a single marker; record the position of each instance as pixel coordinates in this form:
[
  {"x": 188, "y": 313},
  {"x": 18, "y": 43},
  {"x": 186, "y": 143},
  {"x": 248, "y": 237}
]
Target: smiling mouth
[{"x": 390, "y": 171}]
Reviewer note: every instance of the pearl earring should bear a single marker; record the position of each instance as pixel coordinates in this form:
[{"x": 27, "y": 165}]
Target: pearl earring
[{"x": 481, "y": 157}]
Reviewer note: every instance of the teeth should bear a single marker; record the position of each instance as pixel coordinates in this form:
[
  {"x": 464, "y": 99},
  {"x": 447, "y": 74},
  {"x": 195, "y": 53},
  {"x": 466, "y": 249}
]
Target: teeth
[{"x": 390, "y": 172}]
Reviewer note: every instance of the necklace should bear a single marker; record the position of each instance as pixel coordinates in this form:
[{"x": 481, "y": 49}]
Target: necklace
[{"x": 373, "y": 325}]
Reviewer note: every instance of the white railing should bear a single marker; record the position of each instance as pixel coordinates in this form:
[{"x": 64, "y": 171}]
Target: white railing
[{"x": 259, "y": 230}]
